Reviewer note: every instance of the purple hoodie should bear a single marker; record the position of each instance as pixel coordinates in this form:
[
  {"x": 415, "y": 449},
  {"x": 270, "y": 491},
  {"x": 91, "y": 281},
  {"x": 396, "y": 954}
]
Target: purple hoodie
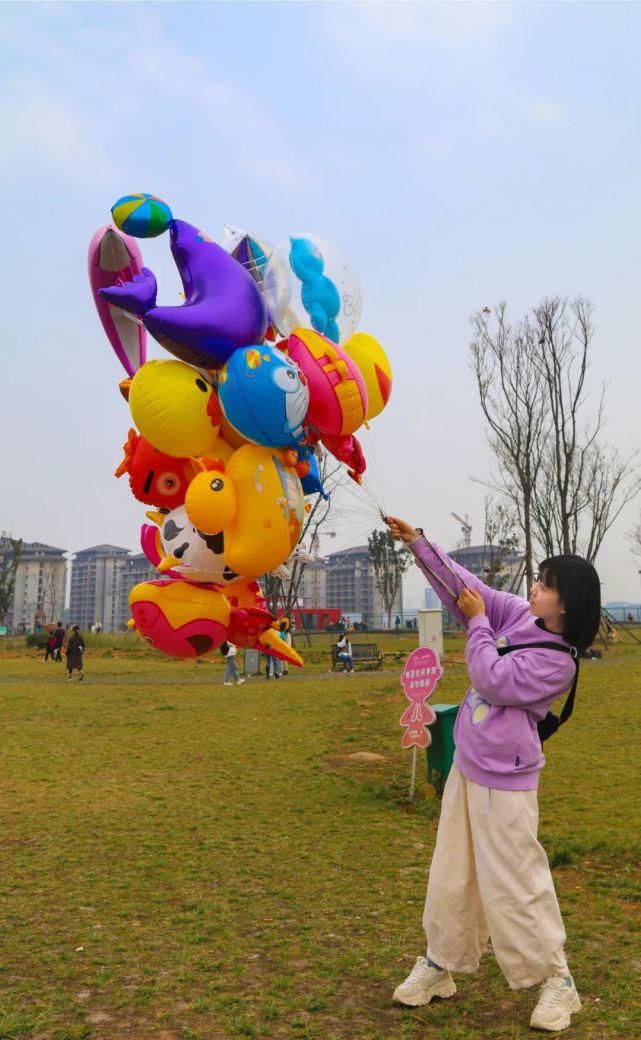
[{"x": 497, "y": 742}]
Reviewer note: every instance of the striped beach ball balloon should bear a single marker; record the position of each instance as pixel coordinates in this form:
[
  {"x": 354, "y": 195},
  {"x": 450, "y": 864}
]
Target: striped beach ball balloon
[{"x": 143, "y": 216}]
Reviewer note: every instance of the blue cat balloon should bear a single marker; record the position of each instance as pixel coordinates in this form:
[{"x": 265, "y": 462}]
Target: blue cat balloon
[{"x": 264, "y": 396}]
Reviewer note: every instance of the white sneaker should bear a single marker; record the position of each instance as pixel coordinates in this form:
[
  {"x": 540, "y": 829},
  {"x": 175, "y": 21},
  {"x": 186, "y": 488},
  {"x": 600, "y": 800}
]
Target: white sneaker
[
  {"x": 240, "y": 682},
  {"x": 557, "y": 1003},
  {"x": 423, "y": 983},
  {"x": 227, "y": 684}
]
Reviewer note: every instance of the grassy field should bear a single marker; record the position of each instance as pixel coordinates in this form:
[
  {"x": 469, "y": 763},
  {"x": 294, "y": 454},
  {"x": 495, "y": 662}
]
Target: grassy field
[{"x": 186, "y": 860}]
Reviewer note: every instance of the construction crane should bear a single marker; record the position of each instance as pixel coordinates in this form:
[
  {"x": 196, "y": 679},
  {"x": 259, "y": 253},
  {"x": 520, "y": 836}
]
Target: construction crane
[{"x": 466, "y": 528}]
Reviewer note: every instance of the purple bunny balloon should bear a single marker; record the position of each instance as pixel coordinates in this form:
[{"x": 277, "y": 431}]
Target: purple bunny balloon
[{"x": 223, "y": 308}]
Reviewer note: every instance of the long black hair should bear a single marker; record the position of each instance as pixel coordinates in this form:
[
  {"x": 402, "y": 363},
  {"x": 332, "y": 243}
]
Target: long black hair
[{"x": 579, "y": 589}]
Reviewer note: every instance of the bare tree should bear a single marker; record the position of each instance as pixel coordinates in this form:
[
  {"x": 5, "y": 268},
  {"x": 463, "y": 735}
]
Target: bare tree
[
  {"x": 510, "y": 385},
  {"x": 10, "y": 553},
  {"x": 634, "y": 538},
  {"x": 390, "y": 564},
  {"x": 501, "y": 541},
  {"x": 568, "y": 488},
  {"x": 51, "y": 598},
  {"x": 582, "y": 485}
]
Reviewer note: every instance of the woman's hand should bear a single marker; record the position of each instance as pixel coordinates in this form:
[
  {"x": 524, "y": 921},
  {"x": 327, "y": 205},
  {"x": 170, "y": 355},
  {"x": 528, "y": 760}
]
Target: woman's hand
[
  {"x": 471, "y": 603},
  {"x": 401, "y": 530}
]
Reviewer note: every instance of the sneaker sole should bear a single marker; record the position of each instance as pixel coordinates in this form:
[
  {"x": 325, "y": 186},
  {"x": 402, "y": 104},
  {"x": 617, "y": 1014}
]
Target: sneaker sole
[
  {"x": 444, "y": 990},
  {"x": 563, "y": 1022}
]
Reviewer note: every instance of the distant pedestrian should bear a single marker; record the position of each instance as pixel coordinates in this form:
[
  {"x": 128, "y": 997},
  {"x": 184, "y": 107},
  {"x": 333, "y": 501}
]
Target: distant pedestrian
[
  {"x": 75, "y": 650},
  {"x": 231, "y": 672},
  {"x": 60, "y": 636},
  {"x": 286, "y": 636},
  {"x": 273, "y": 667},
  {"x": 397, "y": 623},
  {"x": 50, "y": 648}
]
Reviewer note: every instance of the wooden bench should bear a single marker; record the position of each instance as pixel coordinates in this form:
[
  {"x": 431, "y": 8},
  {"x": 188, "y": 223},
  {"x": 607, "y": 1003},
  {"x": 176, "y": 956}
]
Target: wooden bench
[{"x": 362, "y": 653}]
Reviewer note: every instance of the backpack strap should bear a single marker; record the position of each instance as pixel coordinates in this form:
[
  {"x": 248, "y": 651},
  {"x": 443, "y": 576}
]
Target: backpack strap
[{"x": 549, "y": 725}]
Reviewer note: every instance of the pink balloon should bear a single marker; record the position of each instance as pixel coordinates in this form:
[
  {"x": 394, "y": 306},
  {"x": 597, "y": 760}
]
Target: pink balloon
[
  {"x": 337, "y": 391},
  {"x": 115, "y": 258}
]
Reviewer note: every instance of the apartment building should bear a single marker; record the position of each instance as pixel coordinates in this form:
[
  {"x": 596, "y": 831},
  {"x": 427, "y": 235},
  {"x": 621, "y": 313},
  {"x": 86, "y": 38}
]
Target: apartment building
[
  {"x": 351, "y": 587},
  {"x": 96, "y": 587},
  {"x": 41, "y": 579}
]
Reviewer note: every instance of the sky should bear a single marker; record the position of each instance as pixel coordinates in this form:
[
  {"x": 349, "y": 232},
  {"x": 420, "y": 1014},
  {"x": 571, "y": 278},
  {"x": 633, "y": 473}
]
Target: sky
[{"x": 458, "y": 154}]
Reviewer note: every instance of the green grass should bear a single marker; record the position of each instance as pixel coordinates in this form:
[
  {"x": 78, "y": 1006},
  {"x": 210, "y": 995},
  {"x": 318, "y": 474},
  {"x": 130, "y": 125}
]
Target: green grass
[{"x": 185, "y": 860}]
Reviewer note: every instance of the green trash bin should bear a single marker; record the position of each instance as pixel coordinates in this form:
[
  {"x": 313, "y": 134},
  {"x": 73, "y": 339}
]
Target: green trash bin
[{"x": 440, "y": 753}]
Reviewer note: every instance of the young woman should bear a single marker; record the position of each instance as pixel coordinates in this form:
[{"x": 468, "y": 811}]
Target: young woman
[
  {"x": 490, "y": 877},
  {"x": 344, "y": 648},
  {"x": 232, "y": 675}
]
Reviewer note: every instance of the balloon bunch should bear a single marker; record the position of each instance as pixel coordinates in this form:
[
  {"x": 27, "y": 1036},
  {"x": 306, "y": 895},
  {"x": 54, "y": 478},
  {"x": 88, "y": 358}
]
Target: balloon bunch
[{"x": 266, "y": 368}]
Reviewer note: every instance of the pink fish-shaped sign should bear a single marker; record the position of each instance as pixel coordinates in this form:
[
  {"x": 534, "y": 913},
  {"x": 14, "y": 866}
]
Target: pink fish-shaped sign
[{"x": 419, "y": 680}]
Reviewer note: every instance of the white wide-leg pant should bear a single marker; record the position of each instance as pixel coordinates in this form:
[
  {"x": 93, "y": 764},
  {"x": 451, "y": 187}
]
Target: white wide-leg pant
[{"x": 490, "y": 878}]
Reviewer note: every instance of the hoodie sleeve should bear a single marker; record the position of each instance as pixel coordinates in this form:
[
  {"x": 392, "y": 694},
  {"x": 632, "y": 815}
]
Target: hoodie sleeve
[
  {"x": 500, "y": 607},
  {"x": 522, "y": 679}
]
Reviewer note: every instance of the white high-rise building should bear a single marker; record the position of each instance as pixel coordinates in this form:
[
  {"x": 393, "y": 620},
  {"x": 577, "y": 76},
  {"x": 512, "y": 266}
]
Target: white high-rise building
[
  {"x": 312, "y": 590},
  {"x": 351, "y": 587},
  {"x": 39, "y": 594},
  {"x": 96, "y": 587}
]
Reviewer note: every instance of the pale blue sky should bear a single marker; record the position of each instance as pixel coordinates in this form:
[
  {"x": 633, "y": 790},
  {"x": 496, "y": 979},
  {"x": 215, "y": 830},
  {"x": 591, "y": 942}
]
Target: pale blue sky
[{"x": 459, "y": 154}]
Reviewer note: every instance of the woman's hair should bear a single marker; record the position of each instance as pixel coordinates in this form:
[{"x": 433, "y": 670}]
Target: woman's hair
[
  {"x": 75, "y": 628},
  {"x": 579, "y": 589}
]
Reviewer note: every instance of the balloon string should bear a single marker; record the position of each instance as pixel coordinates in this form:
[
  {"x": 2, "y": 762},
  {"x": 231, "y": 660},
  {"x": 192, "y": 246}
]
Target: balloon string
[
  {"x": 352, "y": 489},
  {"x": 347, "y": 511},
  {"x": 365, "y": 489},
  {"x": 372, "y": 454},
  {"x": 365, "y": 503},
  {"x": 357, "y": 500},
  {"x": 350, "y": 547}
]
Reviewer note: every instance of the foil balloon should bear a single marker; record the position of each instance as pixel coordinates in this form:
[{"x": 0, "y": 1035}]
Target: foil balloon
[
  {"x": 264, "y": 396},
  {"x": 256, "y": 502},
  {"x": 143, "y": 216},
  {"x": 308, "y": 283},
  {"x": 175, "y": 408},
  {"x": 181, "y": 619},
  {"x": 312, "y": 481},
  {"x": 223, "y": 309},
  {"x": 115, "y": 258},
  {"x": 375, "y": 369},
  {"x": 155, "y": 478},
  {"x": 337, "y": 391},
  {"x": 186, "y": 552},
  {"x": 187, "y": 620},
  {"x": 348, "y": 450},
  {"x": 248, "y": 251}
]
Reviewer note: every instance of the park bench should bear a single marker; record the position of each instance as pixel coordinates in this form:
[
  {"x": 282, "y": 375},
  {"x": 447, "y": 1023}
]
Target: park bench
[{"x": 362, "y": 653}]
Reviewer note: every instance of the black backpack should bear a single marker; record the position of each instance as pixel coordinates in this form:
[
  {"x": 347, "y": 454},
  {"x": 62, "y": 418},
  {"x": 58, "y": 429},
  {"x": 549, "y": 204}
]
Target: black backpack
[{"x": 548, "y": 726}]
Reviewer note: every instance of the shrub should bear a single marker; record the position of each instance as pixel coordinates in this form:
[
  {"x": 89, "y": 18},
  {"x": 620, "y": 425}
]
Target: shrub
[{"x": 37, "y": 640}]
